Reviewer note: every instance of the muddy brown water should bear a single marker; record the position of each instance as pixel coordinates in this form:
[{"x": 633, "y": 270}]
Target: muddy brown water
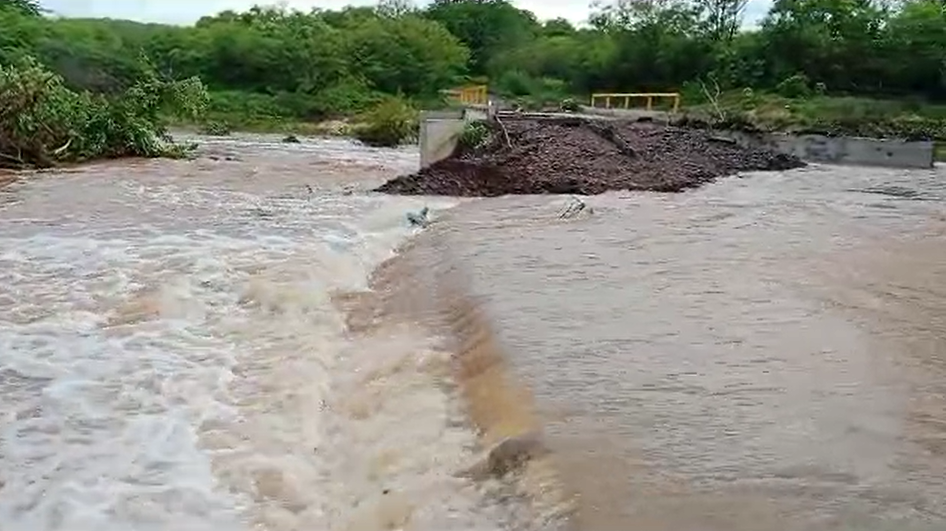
[{"x": 763, "y": 353}]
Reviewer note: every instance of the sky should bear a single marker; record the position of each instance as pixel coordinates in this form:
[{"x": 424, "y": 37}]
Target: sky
[{"x": 188, "y": 11}]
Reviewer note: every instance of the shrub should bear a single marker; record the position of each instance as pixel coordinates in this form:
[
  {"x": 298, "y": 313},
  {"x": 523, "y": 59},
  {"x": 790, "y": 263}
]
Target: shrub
[
  {"x": 796, "y": 86},
  {"x": 474, "y": 135},
  {"x": 43, "y": 122},
  {"x": 391, "y": 123},
  {"x": 215, "y": 128},
  {"x": 570, "y": 105},
  {"x": 515, "y": 83}
]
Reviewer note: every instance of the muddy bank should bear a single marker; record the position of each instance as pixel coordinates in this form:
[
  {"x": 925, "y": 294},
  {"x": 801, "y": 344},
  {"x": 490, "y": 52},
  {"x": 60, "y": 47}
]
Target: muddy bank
[{"x": 578, "y": 156}]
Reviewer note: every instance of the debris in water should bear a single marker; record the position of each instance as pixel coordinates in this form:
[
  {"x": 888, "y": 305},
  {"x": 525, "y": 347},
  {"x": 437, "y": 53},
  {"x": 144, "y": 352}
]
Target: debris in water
[
  {"x": 418, "y": 219},
  {"x": 508, "y": 456},
  {"x": 573, "y": 208},
  {"x": 580, "y": 156}
]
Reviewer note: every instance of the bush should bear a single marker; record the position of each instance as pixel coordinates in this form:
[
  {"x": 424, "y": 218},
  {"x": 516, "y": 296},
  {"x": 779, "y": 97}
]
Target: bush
[
  {"x": 391, "y": 123},
  {"x": 215, "y": 128},
  {"x": 570, "y": 105},
  {"x": 349, "y": 96},
  {"x": 474, "y": 135},
  {"x": 796, "y": 86},
  {"x": 246, "y": 106},
  {"x": 515, "y": 83},
  {"x": 43, "y": 122}
]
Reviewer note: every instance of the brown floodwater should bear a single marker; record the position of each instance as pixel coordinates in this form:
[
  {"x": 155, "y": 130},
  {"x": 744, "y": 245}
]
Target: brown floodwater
[{"x": 764, "y": 353}]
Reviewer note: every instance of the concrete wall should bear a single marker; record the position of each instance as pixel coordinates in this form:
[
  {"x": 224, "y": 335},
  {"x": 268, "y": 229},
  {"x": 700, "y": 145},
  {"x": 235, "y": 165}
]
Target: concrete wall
[
  {"x": 627, "y": 114},
  {"x": 857, "y": 151},
  {"x": 439, "y": 131}
]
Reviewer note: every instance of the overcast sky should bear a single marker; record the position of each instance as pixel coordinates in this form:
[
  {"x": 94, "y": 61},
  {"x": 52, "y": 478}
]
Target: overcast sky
[{"x": 188, "y": 11}]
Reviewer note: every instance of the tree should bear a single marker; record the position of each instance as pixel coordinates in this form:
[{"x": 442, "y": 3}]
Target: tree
[
  {"x": 723, "y": 17},
  {"x": 23, "y": 7},
  {"x": 486, "y": 27},
  {"x": 395, "y": 8}
]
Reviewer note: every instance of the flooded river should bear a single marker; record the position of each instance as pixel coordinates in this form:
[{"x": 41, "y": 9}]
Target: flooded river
[{"x": 766, "y": 353}]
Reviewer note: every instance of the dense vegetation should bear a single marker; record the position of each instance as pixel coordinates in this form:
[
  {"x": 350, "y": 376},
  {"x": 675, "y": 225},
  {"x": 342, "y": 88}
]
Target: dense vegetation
[
  {"x": 875, "y": 62},
  {"x": 44, "y": 121}
]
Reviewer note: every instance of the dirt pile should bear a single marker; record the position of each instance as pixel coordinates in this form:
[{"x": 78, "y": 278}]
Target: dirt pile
[{"x": 579, "y": 156}]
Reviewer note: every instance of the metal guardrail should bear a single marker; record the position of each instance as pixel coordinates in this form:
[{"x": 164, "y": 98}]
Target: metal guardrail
[
  {"x": 627, "y": 97},
  {"x": 470, "y": 95}
]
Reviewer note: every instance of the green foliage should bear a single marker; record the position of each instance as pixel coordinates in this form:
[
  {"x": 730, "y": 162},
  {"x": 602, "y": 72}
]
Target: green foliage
[
  {"x": 391, "y": 123},
  {"x": 30, "y": 8},
  {"x": 215, "y": 128},
  {"x": 474, "y": 135},
  {"x": 485, "y": 27},
  {"x": 270, "y": 66},
  {"x": 795, "y": 86},
  {"x": 531, "y": 93},
  {"x": 43, "y": 122},
  {"x": 570, "y": 105}
]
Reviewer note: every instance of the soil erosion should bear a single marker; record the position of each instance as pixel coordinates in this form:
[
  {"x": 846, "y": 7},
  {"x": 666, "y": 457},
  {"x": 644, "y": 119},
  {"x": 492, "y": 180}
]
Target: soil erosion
[{"x": 586, "y": 157}]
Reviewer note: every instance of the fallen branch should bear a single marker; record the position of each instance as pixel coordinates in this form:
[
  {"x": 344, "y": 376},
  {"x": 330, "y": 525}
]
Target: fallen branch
[
  {"x": 17, "y": 160},
  {"x": 723, "y": 140},
  {"x": 713, "y": 99},
  {"x": 505, "y": 132},
  {"x": 58, "y": 151}
]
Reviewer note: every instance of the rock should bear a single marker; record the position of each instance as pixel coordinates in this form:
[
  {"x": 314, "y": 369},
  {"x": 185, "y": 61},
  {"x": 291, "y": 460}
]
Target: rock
[
  {"x": 573, "y": 208},
  {"x": 508, "y": 456},
  {"x": 585, "y": 157},
  {"x": 291, "y": 139}
]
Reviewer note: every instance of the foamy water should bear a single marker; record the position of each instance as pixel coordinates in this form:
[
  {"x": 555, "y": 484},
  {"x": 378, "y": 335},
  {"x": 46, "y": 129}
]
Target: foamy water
[{"x": 170, "y": 357}]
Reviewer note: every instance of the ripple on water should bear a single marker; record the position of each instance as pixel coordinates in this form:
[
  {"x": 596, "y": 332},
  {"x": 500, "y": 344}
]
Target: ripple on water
[
  {"x": 760, "y": 354},
  {"x": 171, "y": 358}
]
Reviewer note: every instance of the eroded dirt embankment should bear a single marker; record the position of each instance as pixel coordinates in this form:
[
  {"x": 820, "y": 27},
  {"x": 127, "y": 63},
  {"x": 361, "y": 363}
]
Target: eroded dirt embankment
[{"x": 579, "y": 156}]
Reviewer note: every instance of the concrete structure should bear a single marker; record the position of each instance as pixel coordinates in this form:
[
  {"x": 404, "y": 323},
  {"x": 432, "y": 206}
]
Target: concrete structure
[
  {"x": 628, "y": 114},
  {"x": 440, "y": 130},
  {"x": 859, "y": 151},
  {"x": 848, "y": 150}
]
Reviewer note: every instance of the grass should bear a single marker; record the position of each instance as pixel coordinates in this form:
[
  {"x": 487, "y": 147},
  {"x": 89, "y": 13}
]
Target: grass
[
  {"x": 858, "y": 116},
  {"x": 911, "y": 119}
]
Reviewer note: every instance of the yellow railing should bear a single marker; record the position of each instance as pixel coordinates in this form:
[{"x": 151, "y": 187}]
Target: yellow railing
[
  {"x": 471, "y": 95},
  {"x": 627, "y": 97}
]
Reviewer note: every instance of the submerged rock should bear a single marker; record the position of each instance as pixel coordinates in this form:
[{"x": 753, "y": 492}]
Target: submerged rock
[
  {"x": 508, "y": 456},
  {"x": 584, "y": 157}
]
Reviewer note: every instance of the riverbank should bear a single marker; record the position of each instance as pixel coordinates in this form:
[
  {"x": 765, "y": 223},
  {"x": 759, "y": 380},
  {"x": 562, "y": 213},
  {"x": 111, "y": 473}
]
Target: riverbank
[{"x": 745, "y": 109}]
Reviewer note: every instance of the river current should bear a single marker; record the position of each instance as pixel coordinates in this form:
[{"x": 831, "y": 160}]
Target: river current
[{"x": 179, "y": 350}]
